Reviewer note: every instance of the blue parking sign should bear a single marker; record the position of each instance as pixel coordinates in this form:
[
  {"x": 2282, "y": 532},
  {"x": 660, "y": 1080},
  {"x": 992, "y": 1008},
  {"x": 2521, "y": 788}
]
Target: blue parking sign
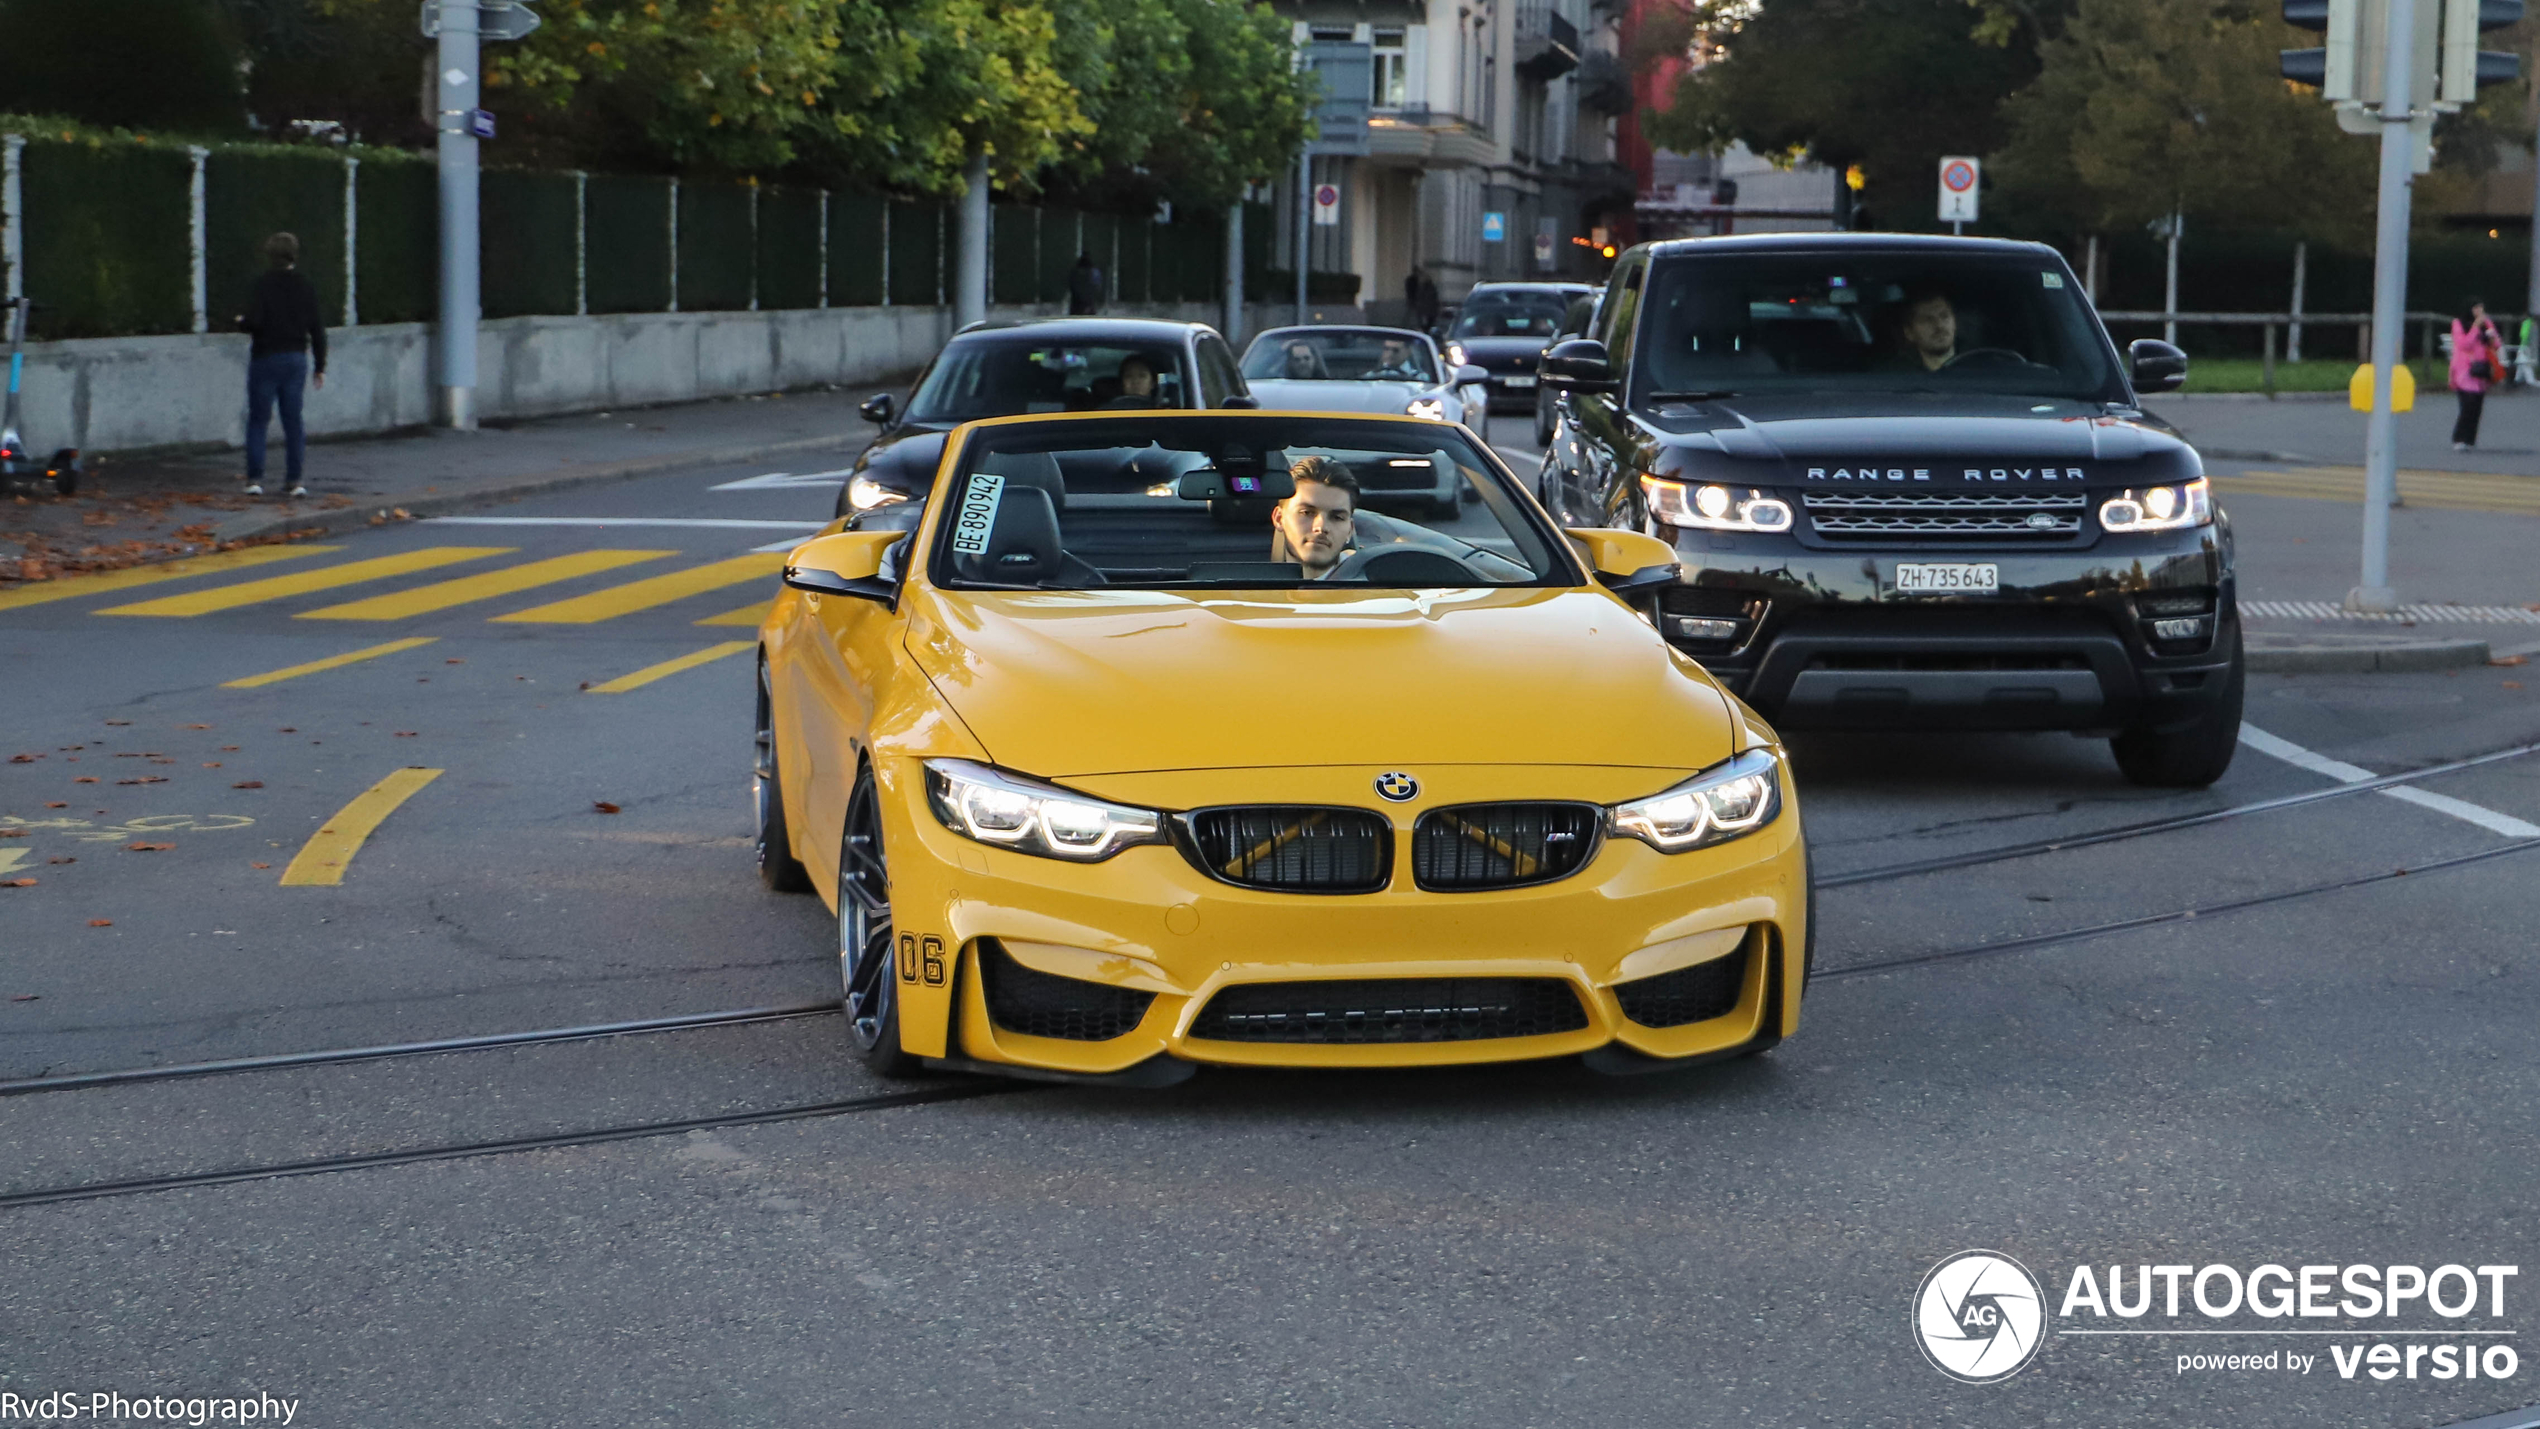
[{"x": 1494, "y": 227}]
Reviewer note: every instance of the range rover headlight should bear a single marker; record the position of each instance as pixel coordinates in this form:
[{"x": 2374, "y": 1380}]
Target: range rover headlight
[
  {"x": 1713, "y": 507},
  {"x": 2159, "y": 508},
  {"x": 864, "y": 494},
  {"x": 1028, "y": 816},
  {"x": 1726, "y": 801},
  {"x": 1433, "y": 408}
]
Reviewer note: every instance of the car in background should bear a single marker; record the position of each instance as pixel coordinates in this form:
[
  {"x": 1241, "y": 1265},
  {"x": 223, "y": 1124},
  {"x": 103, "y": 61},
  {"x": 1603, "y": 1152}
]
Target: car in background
[
  {"x": 1574, "y": 323},
  {"x": 1382, "y": 370},
  {"x": 1503, "y": 329},
  {"x": 1013, "y": 369},
  {"x": 1061, "y": 761}
]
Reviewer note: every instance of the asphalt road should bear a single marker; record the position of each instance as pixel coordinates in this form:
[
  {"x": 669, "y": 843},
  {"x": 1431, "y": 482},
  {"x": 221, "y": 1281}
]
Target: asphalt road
[{"x": 2303, "y": 1072}]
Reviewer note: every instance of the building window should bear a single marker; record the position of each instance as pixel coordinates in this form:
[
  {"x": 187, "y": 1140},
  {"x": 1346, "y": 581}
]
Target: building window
[
  {"x": 1392, "y": 71},
  {"x": 1337, "y": 35}
]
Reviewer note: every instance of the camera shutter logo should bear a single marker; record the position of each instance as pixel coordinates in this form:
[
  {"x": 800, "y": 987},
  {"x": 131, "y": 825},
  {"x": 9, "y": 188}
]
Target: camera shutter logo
[{"x": 1979, "y": 1316}]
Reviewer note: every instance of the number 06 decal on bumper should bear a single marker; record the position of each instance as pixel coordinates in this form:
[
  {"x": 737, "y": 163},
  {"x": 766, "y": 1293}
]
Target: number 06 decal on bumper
[{"x": 922, "y": 959}]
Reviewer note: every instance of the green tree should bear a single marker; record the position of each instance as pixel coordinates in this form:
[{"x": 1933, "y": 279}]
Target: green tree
[
  {"x": 1189, "y": 99},
  {"x": 135, "y": 64}
]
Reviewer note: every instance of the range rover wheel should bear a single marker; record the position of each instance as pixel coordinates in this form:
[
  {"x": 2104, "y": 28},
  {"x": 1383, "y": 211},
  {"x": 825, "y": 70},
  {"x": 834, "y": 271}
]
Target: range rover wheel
[
  {"x": 2193, "y": 757},
  {"x": 777, "y": 866},
  {"x": 866, "y": 968}
]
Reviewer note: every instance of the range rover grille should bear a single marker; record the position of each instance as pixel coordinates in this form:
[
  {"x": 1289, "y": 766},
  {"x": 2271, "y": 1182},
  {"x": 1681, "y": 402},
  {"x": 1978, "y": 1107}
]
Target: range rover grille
[
  {"x": 1895, "y": 515},
  {"x": 1411, "y": 1009},
  {"x": 1295, "y": 848}
]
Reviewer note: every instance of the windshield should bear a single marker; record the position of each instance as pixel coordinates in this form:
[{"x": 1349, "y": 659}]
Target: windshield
[
  {"x": 1512, "y": 313},
  {"x": 1015, "y": 376},
  {"x": 1251, "y": 503},
  {"x": 2011, "y": 325},
  {"x": 1340, "y": 355}
]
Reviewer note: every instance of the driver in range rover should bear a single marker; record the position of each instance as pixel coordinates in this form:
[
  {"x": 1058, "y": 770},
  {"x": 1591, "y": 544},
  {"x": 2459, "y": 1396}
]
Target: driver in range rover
[
  {"x": 1927, "y": 331},
  {"x": 1317, "y": 526}
]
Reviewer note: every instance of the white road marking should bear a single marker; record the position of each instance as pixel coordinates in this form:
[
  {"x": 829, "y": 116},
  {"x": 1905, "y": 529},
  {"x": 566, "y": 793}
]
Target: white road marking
[
  {"x": 2345, "y": 773},
  {"x": 784, "y": 481},
  {"x": 708, "y": 522}
]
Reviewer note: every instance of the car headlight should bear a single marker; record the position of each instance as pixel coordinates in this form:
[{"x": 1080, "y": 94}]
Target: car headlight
[
  {"x": 1726, "y": 801},
  {"x": 1433, "y": 408},
  {"x": 1028, "y": 816},
  {"x": 2159, "y": 508},
  {"x": 864, "y": 494},
  {"x": 1712, "y": 507},
  {"x": 1455, "y": 354}
]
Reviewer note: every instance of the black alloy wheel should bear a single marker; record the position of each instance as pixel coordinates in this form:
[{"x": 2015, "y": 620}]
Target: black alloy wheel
[
  {"x": 2193, "y": 757},
  {"x": 866, "y": 968},
  {"x": 777, "y": 866}
]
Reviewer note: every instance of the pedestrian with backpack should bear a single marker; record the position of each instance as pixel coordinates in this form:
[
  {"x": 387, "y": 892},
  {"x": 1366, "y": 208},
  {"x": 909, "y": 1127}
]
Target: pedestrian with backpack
[
  {"x": 287, "y": 353},
  {"x": 2476, "y": 365}
]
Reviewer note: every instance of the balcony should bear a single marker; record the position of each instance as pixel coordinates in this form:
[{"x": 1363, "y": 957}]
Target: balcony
[{"x": 1547, "y": 43}]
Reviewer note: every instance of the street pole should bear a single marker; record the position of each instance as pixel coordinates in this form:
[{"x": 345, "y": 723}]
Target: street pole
[
  {"x": 970, "y": 286},
  {"x": 1235, "y": 271},
  {"x": 1304, "y": 225},
  {"x": 2389, "y": 309},
  {"x": 454, "y": 403},
  {"x": 2169, "y": 292},
  {"x": 2301, "y": 271}
]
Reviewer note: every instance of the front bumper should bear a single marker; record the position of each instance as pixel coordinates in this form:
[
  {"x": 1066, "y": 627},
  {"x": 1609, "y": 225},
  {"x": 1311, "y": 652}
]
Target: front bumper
[
  {"x": 1815, "y": 638},
  {"x": 1150, "y": 923}
]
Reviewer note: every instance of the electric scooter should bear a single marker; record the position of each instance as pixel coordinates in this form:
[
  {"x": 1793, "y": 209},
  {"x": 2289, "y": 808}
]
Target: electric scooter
[{"x": 18, "y": 471}]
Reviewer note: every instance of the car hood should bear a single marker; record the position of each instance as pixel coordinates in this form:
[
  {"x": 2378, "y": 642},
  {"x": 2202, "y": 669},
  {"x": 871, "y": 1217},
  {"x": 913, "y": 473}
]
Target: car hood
[
  {"x": 1877, "y": 427},
  {"x": 904, "y": 458},
  {"x": 1282, "y": 395},
  {"x": 1496, "y": 352},
  {"x": 1065, "y": 684}
]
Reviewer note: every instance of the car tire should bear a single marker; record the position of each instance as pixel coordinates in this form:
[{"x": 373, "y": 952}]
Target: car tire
[
  {"x": 868, "y": 974},
  {"x": 2193, "y": 757},
  {"x": 777, "y": 866}
]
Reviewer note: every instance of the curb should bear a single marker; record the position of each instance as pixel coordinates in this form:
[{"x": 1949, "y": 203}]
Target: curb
[
  {"x": 249, "y": 526},
  {"x": 2285, "y": 653}
]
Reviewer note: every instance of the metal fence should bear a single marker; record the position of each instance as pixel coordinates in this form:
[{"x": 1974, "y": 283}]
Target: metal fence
[{"x": 131, "y": 238}]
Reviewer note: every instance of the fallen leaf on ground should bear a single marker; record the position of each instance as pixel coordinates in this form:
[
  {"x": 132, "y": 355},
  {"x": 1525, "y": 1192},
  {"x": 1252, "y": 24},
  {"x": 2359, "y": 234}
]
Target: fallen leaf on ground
[
  {"x": 248, "y": 784},
  {"x": 145, "y": 779},
  {"x": 24, "y": 996},
  {"x": 2513, "y": 684},
  {"x": 85, "y": 779},
  {"x": 409, "y": 734},
  {"x": 604, "y": 807},
  {"x": 198, "y": 726},
  {"x": 12, "y": 833},
  {"x": 17, "y": 883},
  {"x": 287, "y": 729},
  {"x": 2511, "y": 660},
  {"x": 260, "y": 865},
  {"x": 138, "y": 846},
  {"x": 24, "y": 758},
  {"x": 454, "y": 661},
  {"x": 57, "y": 804},
  {"x": 229, "y": 749},
  {"x": 215, "y": 764},
  {"x": 118, "y": 721},
  {"x": 101, "y": 922},
  {"x": 61, "y": 859}
]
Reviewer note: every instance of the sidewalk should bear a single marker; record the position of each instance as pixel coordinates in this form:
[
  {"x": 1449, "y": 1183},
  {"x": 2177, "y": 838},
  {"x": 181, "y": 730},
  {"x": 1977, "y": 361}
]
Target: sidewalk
[
  {"x": 135, "y": 510},
  {"x": 2320, "y": 429}
]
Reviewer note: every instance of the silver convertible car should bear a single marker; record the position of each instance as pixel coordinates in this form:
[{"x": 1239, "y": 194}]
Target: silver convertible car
[{"x": 1364, "y": 369}]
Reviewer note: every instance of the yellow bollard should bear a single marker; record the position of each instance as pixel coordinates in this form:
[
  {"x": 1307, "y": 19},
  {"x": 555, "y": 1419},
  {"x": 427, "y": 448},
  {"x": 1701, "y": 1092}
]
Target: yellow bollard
[{"x": 2403, "y": 389}]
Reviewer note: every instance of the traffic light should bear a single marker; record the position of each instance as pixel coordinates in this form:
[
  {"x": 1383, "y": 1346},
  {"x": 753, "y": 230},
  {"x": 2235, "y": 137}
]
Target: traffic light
[
  {"x": 2330, "y": 68},
  {"x": 2349, "y": 69},
  {"x": 2466, "y": 67}
]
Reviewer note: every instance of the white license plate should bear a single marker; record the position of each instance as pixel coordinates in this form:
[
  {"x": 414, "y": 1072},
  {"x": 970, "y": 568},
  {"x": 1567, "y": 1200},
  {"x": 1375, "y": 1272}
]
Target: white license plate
[
  {"x": 1914, "y": 579},
  {"x": 1519, "y": 384}
]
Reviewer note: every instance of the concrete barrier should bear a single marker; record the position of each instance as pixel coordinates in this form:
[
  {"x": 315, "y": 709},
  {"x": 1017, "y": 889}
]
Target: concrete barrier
[{"x": 126, "y": 394}]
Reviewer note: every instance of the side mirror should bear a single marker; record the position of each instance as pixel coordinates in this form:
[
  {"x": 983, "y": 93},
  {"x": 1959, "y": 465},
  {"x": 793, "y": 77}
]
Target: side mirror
[
  {"x": 850, "y": 563},
  {"x": 2155, "y": 366},
  {"x": 1242, "y": 402},
  {"x": 1471, "y": 375},
  {"x": 879, "y": 409},
  {"x": 1579, "y": 365},
  {"x": 1627, "y": 563}
]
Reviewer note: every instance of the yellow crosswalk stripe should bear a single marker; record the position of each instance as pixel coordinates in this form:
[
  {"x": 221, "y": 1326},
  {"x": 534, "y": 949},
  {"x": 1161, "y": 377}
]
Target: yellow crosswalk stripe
[
  {"x": 2447, "y": 490},
  {"x": 645, "y": 594},
  {"x": 423, "y": 600},
  {"x": 749, "y": 615},
  {"x": 331, "y": 662},
  {"x": 322, "y": 860},
  {"x": 230, "y": 597},
  {"x": 689, "y": 661},
  {"x": 73, "y": 587}
]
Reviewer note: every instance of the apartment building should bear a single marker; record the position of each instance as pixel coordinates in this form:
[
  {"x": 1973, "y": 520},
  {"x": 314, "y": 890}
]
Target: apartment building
[{"x": 1490, "y": 151}]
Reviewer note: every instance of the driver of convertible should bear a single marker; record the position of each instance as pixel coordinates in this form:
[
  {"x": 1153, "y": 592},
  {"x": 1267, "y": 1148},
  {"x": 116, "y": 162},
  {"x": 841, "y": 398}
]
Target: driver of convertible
[
  {"x": 1316, "y": 527},
  {"x": 1926, "y": 332}
]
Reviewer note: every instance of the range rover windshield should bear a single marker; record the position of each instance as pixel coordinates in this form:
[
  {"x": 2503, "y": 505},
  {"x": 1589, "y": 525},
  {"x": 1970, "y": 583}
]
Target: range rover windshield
[
  {"x": 1236, "y": 503},
  {"x": 1899, "y": 321}
]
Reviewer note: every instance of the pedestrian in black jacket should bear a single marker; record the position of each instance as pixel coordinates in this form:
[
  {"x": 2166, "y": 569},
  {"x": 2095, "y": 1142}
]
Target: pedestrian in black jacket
[
  {"x": 288, "y": 330},
  {"x": 1084, "y": 287}
]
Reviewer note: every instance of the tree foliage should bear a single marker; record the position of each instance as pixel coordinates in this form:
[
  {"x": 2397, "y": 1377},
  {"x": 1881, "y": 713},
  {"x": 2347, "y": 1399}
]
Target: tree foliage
[{"x": 141, "y": 64}]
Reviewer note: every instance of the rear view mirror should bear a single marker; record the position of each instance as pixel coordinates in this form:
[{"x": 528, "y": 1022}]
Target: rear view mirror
[
  {"x": 1627, "y": 563},
  {"x": 1471, "y": 375},
  {"x": 879, "y": 409},
  {"x": 1208, "y": 483},
  {"x": 1241, "y": 402},
  {"x": 1579, "y": 365},
  {"x": 850, "y": 563},
  {"x": 2155, "y": 366}
]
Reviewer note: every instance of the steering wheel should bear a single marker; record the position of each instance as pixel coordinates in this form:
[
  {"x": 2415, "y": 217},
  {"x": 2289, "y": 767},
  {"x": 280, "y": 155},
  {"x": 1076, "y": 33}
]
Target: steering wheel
[
  {"x": 1405, "y": 565},
  {"x": 1986, "y": 357}
]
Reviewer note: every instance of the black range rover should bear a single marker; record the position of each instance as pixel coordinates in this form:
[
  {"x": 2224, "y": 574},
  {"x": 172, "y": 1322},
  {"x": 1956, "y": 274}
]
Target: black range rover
[{"x": 1910, "y": 487}]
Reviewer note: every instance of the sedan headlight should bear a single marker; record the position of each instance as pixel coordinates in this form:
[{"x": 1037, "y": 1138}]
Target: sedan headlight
[
  {"x": 1028, "y": 816},
  {"x": 864, "y": 494},
  {"x": 2159, "y": 508},
  {"x": 1455, "y": 355},
  {"x": 1712, "y": 507},
  {"x": 1433, "y": 408},
  {"x": 1726, "y": 801}
]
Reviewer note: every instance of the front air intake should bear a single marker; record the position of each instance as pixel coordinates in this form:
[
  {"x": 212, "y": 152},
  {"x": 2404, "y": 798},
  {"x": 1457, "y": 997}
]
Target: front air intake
[
  {"x": 1687, "y": 995},
  {"x": 1411, "y": 1009},
  {"x": 1039, "y": 1004}
]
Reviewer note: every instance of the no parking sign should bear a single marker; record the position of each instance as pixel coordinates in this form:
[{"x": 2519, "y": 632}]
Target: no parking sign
[
  {"x": 1959, "y": 177},
  {"x": 1327, "y": 204}
]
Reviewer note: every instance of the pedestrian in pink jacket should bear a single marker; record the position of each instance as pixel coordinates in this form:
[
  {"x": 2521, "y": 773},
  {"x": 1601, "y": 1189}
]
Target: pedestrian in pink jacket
[{"x": 2477, "y": 360}]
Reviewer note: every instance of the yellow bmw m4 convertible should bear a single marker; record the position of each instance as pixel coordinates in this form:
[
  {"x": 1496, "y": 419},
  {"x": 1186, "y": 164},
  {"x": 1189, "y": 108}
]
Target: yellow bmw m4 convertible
[{"x": 1162, "y": 741}]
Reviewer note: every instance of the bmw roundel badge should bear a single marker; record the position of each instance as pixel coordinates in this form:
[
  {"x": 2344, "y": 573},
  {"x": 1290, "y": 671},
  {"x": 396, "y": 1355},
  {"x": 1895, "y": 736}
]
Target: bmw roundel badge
[{"x": 1398, "y": 787}]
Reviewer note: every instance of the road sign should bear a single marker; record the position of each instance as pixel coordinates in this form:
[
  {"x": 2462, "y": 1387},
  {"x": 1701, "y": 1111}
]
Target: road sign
[
  {"x": 1959, "y": 178},
  {"x": 1327, "y": 205},
  {"x": 1543, "y": 247},
  {"x": 1494, "y": 227},
  {"x": 480, "y": 122},
  {"x": 495, "y": 19}
]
